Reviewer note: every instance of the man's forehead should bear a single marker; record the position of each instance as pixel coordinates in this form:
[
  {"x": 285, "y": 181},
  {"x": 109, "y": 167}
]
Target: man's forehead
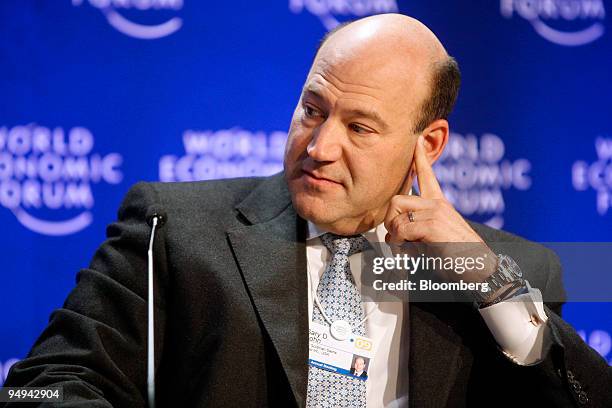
[
  {"x": 356, "y": 77},
  {"x": 361, "y": 85},
  {"x": 355, "y": 71},
  {"x": 320, "y": 84},
  {"x": 371, "y": 70}
]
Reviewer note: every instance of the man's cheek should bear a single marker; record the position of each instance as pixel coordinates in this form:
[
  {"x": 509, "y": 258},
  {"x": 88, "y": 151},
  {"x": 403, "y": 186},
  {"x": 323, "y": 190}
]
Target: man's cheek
[{"x": 293, "y": 148}]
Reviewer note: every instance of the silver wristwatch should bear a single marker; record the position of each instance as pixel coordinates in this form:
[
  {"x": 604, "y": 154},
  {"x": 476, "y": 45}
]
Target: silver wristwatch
[{"x": 508, "y": 274}]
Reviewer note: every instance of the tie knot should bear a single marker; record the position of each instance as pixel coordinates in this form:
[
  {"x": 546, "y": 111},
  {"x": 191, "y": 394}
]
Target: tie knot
[{"x": 347, "y": 246}]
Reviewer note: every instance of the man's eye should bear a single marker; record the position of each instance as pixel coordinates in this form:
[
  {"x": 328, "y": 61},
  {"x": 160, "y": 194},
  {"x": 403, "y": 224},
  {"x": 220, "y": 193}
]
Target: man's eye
[
  {"x": 359, "y": 129},
  {"x": 311, "y": 112}
]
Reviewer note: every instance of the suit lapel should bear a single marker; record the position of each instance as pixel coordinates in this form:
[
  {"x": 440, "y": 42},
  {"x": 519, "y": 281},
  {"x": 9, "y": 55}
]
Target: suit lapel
[{"x": 272, "y": 258}]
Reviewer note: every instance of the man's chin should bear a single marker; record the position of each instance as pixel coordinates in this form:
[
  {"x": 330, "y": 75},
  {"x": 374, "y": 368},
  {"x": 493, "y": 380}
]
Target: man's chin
[{"x": 316, "y": 209}]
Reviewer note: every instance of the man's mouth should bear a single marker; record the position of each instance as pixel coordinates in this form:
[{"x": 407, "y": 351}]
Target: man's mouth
[{"x": 319, "y": 180}]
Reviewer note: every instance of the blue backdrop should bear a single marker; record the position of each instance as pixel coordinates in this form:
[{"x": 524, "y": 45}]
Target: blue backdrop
[{"x": 99, "y": 94}]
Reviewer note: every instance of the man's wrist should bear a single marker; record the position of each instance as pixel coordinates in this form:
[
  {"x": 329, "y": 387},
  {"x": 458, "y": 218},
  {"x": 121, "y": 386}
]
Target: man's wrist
[
  {"x": 506, "y": 293},
  {"x": 503, "y": 283}
]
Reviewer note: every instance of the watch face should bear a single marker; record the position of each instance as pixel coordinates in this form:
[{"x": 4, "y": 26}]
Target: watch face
[{"x": 509, "y": 268}]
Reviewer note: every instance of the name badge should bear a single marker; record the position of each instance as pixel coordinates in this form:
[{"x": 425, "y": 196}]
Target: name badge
[{"x": 351, "y": 357}]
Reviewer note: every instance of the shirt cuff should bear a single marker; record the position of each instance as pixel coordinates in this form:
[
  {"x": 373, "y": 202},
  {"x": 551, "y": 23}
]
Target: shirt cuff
[{"x": 519, "y": 327}]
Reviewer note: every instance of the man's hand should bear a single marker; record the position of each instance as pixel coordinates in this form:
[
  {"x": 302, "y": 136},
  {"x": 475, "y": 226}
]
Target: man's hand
[{"x": 431, "y": 218}]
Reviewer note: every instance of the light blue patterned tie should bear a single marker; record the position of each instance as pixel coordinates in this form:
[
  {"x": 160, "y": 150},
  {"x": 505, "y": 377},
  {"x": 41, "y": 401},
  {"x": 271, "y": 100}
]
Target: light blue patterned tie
[{"x": 340, "y": 299}]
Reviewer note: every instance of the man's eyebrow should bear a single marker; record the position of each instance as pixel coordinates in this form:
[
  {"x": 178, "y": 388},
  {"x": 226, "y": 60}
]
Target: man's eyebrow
[
  {"x": 368, "y": 114},
  {"x": 313, "y": 91},
  {"x": 362, "y": 113}
]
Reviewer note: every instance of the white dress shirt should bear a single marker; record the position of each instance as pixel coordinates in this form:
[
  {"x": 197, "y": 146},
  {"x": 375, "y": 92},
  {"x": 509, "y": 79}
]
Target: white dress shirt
[{"x": 517, "y": 326}]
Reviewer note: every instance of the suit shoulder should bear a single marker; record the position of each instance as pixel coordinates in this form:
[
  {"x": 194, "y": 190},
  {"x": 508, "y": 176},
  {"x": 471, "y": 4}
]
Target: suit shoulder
[
  {"x": 496, "y": 235},
  {"x": 505, "y": 239},
  {"x": 207, "y": 194}
]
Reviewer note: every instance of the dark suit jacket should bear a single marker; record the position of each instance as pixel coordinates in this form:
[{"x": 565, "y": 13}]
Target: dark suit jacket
[
  {"x": 230, "y": 295},
  {"x": 364, "y": 374}
]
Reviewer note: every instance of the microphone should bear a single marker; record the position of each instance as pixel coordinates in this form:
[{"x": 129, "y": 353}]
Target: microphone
[
  {"x": 156, "y": 211},
  {"x": 155, "y": 217}
]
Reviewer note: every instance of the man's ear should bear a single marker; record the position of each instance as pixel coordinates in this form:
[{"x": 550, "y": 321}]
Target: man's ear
[{"x": 435, "y": 137}]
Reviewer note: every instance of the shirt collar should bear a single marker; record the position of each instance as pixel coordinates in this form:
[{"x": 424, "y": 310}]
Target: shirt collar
[{"x": 376, "y": 234}]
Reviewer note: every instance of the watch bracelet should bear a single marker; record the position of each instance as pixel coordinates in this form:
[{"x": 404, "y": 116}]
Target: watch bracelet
[{"x": 505, "y": 295}]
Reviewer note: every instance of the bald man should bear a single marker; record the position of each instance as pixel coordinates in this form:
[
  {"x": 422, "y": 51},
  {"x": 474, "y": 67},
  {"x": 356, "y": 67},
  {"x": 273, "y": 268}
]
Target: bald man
[{"x": 257, "y": 299}]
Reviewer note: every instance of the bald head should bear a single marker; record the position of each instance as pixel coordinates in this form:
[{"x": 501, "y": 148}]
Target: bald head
[
  {"x": 394, "y": 33},
  {"x": 402, "y": 40}
]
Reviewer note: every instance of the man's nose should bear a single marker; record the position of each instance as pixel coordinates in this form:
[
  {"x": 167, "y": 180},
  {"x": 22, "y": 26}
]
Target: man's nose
[{"x": 326, "y": 142}]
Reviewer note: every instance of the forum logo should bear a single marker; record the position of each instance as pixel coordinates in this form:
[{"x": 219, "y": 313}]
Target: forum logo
[
  {"x": 46, "y": 176},
  {"x": 116, "y": 13},
  {"x": 332, "y": 12},
  {"x": 564, "y": 22},
  {"x": 226, "y": 153},
  {"x": 474, "y": 172},
  {"x": 600, "y": 341},
  {"x": 596, "y": 175},
  {"x": 5, "y": 367}
]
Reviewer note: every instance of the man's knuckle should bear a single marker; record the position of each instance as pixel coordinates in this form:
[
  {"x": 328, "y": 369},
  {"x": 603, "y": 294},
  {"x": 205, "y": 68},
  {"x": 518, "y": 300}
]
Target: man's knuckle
[{"x": 396, "y": 201}]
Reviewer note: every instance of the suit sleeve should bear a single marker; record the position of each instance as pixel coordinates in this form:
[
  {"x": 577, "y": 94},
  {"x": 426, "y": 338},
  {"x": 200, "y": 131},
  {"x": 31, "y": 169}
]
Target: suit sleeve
[
  {"x": 570, "y": 374},
  {"x": 95, "y": 345},
  {"x": 584, "y": 374}
]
